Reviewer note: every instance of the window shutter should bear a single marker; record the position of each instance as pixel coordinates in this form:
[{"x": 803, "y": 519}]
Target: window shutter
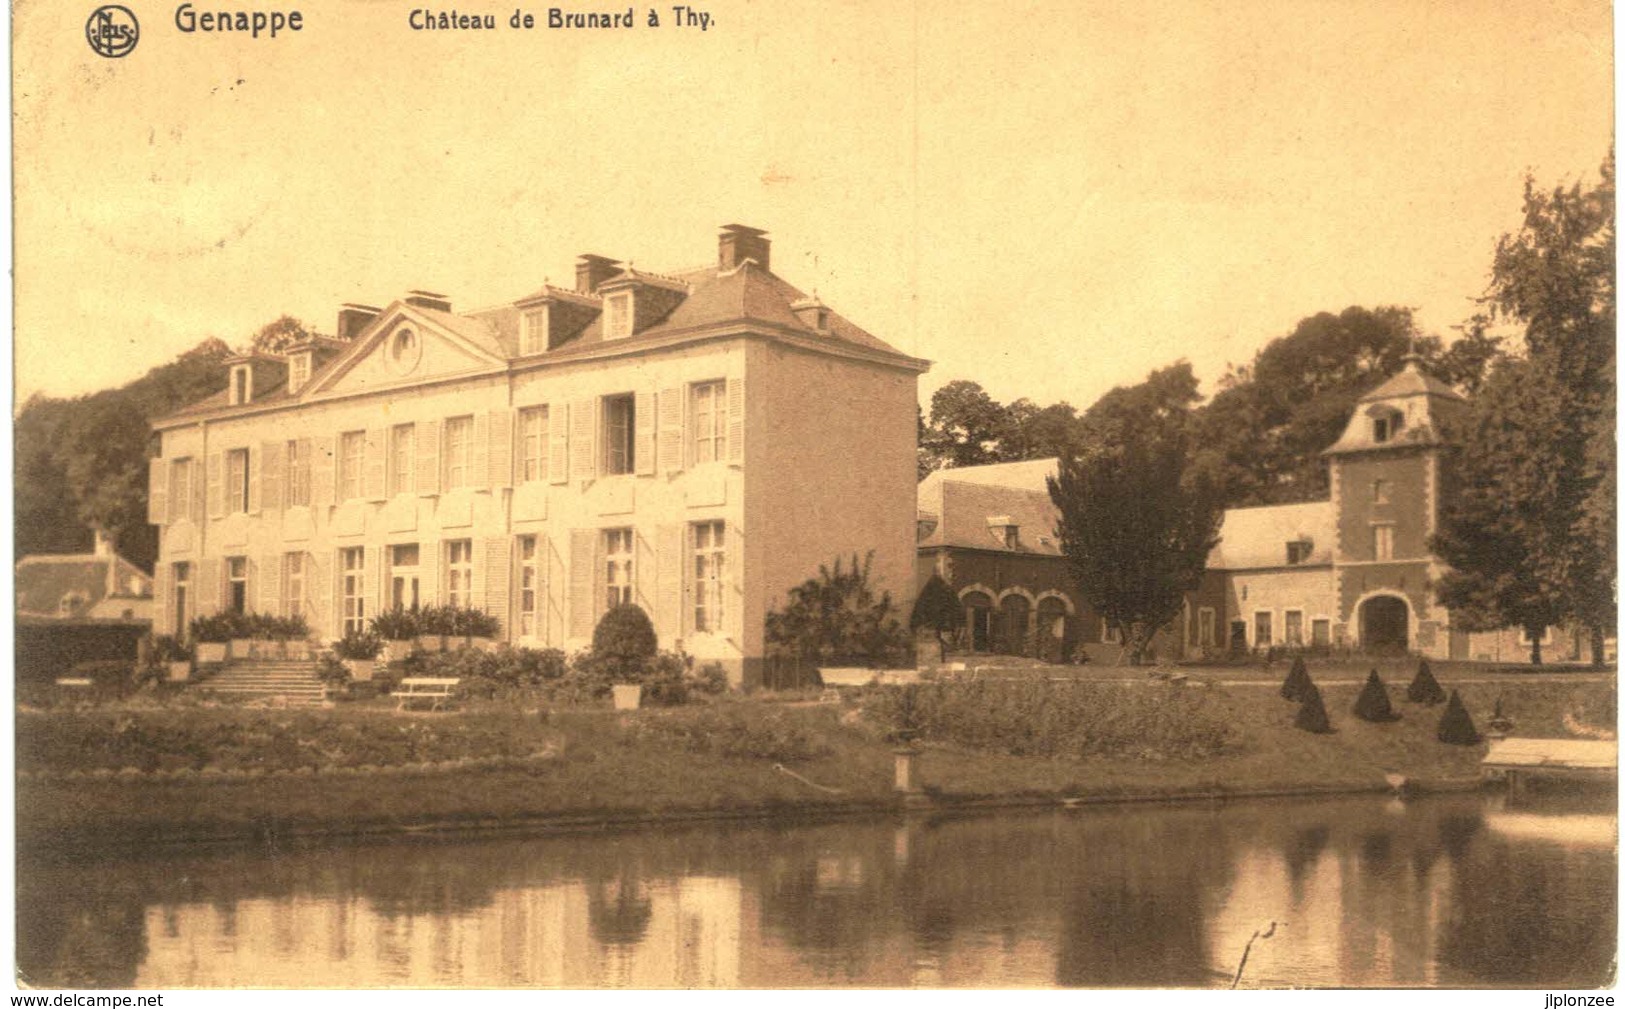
[
  {"x": 428, "y": 435},
  {"x": 255, "y": 461},
  {"x": 501, "y": 461},
  {"x": 377, "y": 456},
  {"x": 323, "y": 471},
  {"x": 269, "y": 576},
  {"x": 374, "y": 593},
  {"x": 321, "y": 573},
  {"x": 161, "y": 591},
  {"x": 669, "y": 620},
  {"x": 555, "y": 579},
  {"x": 558, "y": 443},
  {"x": 158, "y": 492},
  {"x": 733, "y": 585},
  {"x": 736, "y": 420},
  {"x": 643, "y": 442},
  {"x": 200, "y": 490},
  {"x": 583, "y": 561},
  {"x": 671, "y": 430},
  {"x": 644, "y": 575},
  {"x": 217, "y": 480},
  {"x": 479, "y": 453},
  {"x": 498, "y": 574},
  {"x": 583, "y": 446},
  {"x": 206, "y": 584},
  {"x": 430, "y": 560},
  {"x": 271, "y": 476}
]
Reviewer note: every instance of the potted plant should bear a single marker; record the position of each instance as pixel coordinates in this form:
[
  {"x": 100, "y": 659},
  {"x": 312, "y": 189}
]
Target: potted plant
[
  {"x": 294, "y": 635},
  {"x": 395, "y": 629},
  {"x": 358, "y": 651},
  {"x": 210, "y": 634},
  {"x": 434, "y": 623},
  {"x": 171, "y": 655},
  {"x": 623, "y": 645},
  {"x": 248, "y": 629}
]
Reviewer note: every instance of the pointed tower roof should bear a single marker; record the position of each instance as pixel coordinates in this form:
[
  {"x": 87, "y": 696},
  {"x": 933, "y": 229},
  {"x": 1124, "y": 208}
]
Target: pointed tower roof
[{"x": 1402, "y": 412}]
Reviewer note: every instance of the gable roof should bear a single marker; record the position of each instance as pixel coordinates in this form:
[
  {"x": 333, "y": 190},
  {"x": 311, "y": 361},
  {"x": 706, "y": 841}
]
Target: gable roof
[
  {"x": 45, "y": 581},
  {"x": 956, "y": 505},
  {"x": 1257, "y": 537}
]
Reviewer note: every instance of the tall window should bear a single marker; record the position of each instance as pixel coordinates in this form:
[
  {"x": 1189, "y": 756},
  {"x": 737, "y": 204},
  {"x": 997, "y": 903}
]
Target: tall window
[
  {"x": 459, "y": 446},
  {"x": 1293, "y": 628},
  {"x": 298, "y": 473},
  {"x": 1263, "y": 632},
  {"x": 181, "y": 500},
  {"x": 403, "y": 576},
  {"x": 1320, "y": 632},
  {"x": 353, "y": 588},
  {"x": 460, "y": 573},
  {"x": 237, "y": 480},
  {"x": 618, "y": 316},
  {"x": 293, "y": 584},
  {"x": 237, "y": 584},
  {"x": 535, "y": 335},
  {"x": 707, "y": 414},
  {"x": 710, "y": 557},
  {"x": 618, "y": 547},
  {"x": 530, "y": 582},
  {"x": 533, "y": 424},
  {"x": 352, "y": 459},
  {"x": 402, "y": 458},
  {"x": 1205, "y": 627},
  {"x": 183, "y": 584},
  {"x": 1379, "y": 491},
  {"x": 619, "y": 424},
  {"x": 1382, "y": 542}
]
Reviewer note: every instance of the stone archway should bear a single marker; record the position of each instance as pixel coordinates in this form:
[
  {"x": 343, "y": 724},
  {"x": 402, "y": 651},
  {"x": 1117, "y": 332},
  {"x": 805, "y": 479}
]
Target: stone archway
[
  {"x": 978, "y": 619},
  {"x": 1385, "y": 624}
]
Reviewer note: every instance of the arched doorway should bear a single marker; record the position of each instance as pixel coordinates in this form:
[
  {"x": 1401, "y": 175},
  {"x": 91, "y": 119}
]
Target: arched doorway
[
  {"x": 1385, "y": 624},
  {"x": 1013, "y": 610},
  {"x": 979, "y": 620},
  {"x": 1054, "y": 636}
]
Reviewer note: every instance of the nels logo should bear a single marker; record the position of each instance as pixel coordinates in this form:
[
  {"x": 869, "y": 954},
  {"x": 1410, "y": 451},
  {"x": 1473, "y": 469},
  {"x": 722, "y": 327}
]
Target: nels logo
[{"x": 112, "y": 31}]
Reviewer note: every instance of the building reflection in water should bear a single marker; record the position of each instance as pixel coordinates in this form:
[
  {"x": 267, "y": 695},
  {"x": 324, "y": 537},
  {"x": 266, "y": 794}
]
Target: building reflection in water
[{"x": 1445, "y": 892}]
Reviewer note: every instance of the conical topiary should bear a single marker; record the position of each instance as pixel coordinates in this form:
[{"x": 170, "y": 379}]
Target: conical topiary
[
  {"x": 1292, "y": 686},
  {"x": 1424, "y": 689},
  {"x": 1456, "y": 725},
  {"x": 1312, "y": 710},
  {"x": 1372, "y": 704}
]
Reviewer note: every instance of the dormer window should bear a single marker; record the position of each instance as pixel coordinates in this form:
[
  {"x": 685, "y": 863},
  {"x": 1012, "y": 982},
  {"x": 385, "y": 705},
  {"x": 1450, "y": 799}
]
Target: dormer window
[
  {"x": 1005, "y": 531},
  {"x": 1385, "y": 425},
  {"x": 1298, "y": 551},
  {"x": 533, "y": 339},
  {"x": 298, "y": 371},
  {"x": 1012, "y": 537},
  {"x": 618, "y": 316},
  {"x": 242, "y": 388}
]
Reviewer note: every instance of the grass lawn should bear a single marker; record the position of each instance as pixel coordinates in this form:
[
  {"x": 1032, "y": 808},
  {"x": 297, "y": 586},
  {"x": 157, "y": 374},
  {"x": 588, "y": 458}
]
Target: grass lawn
[{"x": 183, "y": 772}]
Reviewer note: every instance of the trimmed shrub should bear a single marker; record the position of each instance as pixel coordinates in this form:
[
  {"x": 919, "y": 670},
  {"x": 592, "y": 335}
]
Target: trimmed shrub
[
  {"x": 1372, "y": 705},
  {"x": 1292, "y": 686},
  {"x": 937, "y": 608},
  {"x": 332, "y": 672},
  {"x": 623, "y": 643},
  {"x": 1456, "y": 725},
  {"x": 1424, "y": 689},
  {"x": 1312, "y": 711}
]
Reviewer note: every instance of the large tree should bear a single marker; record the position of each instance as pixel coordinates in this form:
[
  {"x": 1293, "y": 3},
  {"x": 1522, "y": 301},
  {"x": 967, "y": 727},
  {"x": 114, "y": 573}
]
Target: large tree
[
  {"x": 1538, "y": 464},
  {"x": 1136, "y": 519}
]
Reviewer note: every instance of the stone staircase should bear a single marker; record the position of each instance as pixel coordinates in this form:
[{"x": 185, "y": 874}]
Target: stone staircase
[{"x": 289, "y": 681}]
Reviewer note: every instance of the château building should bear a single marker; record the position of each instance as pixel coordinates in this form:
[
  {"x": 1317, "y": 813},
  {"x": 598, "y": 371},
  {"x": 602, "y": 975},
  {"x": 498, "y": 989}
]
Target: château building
[{"x": 695, "y": 442}]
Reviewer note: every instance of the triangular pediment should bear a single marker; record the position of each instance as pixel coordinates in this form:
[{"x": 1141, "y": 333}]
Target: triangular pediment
[{"x": 405, "y": 346}]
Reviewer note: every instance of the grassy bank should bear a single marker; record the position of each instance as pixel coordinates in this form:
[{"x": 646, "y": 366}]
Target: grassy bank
[{"x": 178, "y": 772}]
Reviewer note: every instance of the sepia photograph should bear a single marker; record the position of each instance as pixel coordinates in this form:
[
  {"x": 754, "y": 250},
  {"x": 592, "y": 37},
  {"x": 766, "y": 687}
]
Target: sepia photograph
[{"x": 1018, "y": 495}]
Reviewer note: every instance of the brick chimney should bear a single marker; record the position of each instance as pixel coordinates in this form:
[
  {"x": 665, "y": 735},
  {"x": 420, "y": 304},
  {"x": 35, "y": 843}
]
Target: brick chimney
[
  {"x": 738, "y": 243},
  {"x": 353, "y": 319},
  {"x": 592, "y": 271}
]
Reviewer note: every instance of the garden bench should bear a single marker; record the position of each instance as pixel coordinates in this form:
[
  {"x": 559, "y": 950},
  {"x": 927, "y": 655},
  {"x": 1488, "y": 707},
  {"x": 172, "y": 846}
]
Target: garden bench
[{"x": 435, "y": 689}]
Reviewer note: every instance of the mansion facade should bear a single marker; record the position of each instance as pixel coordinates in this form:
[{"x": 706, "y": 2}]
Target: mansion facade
[
  {"x": 1351, "y": 572},
  {"x": 696, "y": 443}
]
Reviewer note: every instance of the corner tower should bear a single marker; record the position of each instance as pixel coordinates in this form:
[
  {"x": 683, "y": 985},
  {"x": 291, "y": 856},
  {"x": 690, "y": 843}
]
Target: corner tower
[{"x": 1385, "y": 484}]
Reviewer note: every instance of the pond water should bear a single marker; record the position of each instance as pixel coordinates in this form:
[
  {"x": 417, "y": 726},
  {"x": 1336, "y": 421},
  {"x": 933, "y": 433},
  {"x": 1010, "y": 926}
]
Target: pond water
[{"x": 1449, "y": 891}]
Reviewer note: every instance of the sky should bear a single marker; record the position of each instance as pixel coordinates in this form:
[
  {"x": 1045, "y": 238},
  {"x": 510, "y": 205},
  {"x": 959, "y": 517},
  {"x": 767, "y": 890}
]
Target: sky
[{"x": 1048, "y": 198}]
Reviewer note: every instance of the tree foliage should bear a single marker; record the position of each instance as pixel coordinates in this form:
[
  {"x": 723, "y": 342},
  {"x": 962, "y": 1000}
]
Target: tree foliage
[
  {"x": 1136, "y": 521},
  {"x": 837, "y": 618},
  {"x": 968, "y": 427},
  {"x": 277, "y": 336},
  {"x": 1530, "y": 532},
  {"x": 937, "y": 608}
]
